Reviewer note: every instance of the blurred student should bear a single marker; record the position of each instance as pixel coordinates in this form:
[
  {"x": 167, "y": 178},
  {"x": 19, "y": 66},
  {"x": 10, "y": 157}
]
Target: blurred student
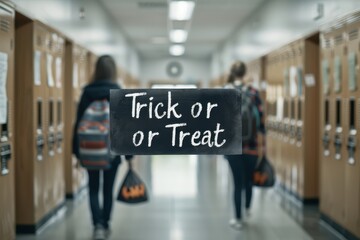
[
  {"x": 243, "y": 166},
  {"x": 104, "y": 79}
]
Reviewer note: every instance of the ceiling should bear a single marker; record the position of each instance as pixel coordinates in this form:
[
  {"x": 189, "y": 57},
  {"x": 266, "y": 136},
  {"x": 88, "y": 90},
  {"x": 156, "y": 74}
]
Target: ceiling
[
  {"x": 213, "y": 22},
  {"x": 222, "y": 30}
]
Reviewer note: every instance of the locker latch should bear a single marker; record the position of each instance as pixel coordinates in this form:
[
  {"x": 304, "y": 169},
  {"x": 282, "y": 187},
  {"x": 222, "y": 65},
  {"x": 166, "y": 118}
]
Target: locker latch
[
  {"x": 351, "y": 148},
  {"x": 338, "y": 144},
  {"x": 51, "y": 144},
  {"x": 292, "y": 131},
  {"x": 286, "y": 129},
  {"x": 39, "y": 147},
  {"x": 326, "y": 143},
  {"x": 59, "y": 139},
  {"x": 298, "y": 133},
  {"x": 5, "y": 155}
]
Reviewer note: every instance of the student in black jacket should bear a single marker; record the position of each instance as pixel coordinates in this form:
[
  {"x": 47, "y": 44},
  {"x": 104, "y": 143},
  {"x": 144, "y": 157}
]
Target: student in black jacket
[{"x": 104, "y": 79}]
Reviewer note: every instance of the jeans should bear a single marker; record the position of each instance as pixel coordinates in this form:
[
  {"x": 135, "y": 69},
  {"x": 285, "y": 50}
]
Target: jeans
[
  {"x": 242, "y": 167},
  {"x": 102, "y": 215}
]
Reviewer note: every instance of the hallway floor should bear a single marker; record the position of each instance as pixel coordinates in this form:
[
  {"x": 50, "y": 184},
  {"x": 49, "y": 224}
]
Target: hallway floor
[{"x": 190, "y": 199}]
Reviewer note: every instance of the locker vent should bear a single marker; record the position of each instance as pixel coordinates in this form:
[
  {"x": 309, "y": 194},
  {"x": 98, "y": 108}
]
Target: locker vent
[
  {"x": 353, "y": 34},
  {"x": 326, "y": 43},
  {"x": 353, "y": 18},
  {"x": 5, "y": 25},
  {"x": 299, "y": 51},
  {"x": 38, "y": 40},
  {"x": 338, "y": 39},
  {"x": 82, "y": 57},
  {"x": 292, "y": 53},
  {"x": 50, "y": 45}
]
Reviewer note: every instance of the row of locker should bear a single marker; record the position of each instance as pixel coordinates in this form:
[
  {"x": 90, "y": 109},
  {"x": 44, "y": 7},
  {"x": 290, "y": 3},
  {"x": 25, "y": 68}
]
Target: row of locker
[
  {"x": 292, "y": 115},
  {"x": 312, "y": 116},
  {"x": 311, "y": 92},
  {"x": 339, "y": 123},
  {"x": 42, "y": 73}
]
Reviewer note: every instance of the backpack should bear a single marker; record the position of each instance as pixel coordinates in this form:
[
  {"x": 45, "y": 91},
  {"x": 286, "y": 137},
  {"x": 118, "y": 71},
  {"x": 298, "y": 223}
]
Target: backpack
[
  {"x": 94, "y": 139},
  {"x": 250, "y": 118}
]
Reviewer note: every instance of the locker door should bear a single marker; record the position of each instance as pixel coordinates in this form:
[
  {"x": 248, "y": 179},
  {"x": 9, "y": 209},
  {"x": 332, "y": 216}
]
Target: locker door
[
  {"x": 327, "y": 112},
  {"x": 7, "y": 209},
  {"x": 352, "y": 167},
  {"x": 40, "y": 127},
  {"x": 342, "y": 95}
]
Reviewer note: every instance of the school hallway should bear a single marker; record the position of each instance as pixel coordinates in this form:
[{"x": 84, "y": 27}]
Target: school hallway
[
  {"x": 179, "y": 84},
  {"x": 190, "y": 199}
]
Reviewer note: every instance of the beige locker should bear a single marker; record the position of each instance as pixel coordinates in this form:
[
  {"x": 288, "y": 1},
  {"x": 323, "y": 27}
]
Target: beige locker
[
  {"x": 7, "y": 148},
  {"x": 327, "y": 122},
  {"x": 352, "y": 167},
  {"x": 40, "y": 189},
  {"x": 76, "y": 78},
  {"x": 340, "y": 98},
  {"x": 340, "y": 171},
  {"x": 296, "y": 145}
]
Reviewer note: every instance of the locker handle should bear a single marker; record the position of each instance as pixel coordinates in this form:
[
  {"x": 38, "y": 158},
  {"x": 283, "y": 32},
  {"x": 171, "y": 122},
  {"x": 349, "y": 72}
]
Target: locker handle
[
  {"x": 337, "y": 144},
  {"x": 337, "y": 141},
  {"x": 39, "y": 147},
  {"x": 5, "y": 155},
  {"x": 5, "y": 128},
  {"x": 59, "y": 139},
  {"x": 51, "y": 138},
  {"x": 351, "y": 146},
  {"x": 51, "y": 143},
  {"x": 326, "y": 140},
  {"x": 299, "y": 133},
  {"x": 40, "y": 141}
]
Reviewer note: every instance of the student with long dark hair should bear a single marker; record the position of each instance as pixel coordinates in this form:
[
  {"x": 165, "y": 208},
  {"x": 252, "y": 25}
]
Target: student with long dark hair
[
  {"x": 243, "y": 166},
  {"x": 104, "y": 79}
]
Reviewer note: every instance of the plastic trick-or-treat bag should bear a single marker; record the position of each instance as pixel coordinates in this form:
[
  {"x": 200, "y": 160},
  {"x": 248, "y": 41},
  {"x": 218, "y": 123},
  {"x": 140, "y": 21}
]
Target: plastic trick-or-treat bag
[
  {"x": 264, "y": 175},
  {"x": 133, "y": 189}
]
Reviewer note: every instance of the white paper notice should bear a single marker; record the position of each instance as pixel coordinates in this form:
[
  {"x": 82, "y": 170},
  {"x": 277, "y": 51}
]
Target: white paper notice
[
  {"x": 76, "y": 75},
  {"x": 50, "y": 78},
  {"x": 280, "y": 108},
  {"x": 37, "y": 68},
  {"x": 58, "y": 69},
  {"x": 3, "y": 95},
  {"x": 293, "y": 83},
  {"x": 310, "y": 80}
]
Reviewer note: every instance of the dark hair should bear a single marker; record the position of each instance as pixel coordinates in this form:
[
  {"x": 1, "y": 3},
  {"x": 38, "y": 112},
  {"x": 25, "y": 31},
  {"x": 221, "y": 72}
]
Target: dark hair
[
  {"x": 238, "y": 70},
  {"x": 105, "y": 69}
]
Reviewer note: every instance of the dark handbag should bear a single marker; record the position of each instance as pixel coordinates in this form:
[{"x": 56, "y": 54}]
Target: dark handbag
[
  {"x": 264, "y": 175},
  {"x": 133, "y": 189}
]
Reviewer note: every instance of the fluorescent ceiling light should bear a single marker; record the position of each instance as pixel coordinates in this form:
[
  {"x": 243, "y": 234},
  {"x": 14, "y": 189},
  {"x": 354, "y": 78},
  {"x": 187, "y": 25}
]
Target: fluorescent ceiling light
[
  {"x": 181, "y": 10},
  {"x": 177, "y": 50},
  {"x": 178, "y": 35}
]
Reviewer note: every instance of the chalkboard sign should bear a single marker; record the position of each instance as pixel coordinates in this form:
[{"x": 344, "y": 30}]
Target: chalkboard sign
[{"x": 175, "y": 121}]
